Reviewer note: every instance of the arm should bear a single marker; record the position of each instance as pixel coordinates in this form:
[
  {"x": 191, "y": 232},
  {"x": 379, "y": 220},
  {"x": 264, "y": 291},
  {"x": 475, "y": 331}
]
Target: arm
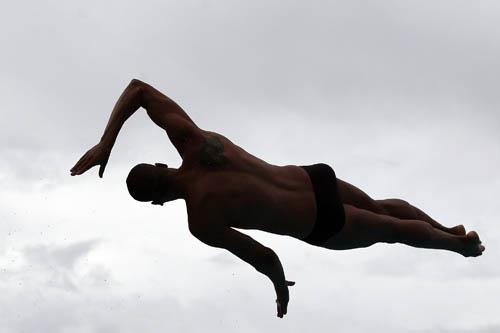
[
  {"x": 163, "y": 111},
  {"x": 180, "y": 129},
  {"x": 262, "y": 258},
  {"x": 128, "y": 102}
]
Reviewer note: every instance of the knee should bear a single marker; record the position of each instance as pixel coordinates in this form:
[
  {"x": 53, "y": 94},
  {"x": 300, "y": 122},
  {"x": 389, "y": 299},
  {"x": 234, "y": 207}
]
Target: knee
[
  {"x": 374, "y": 206},
  {"x": 402, "y": 202},
  {"x": 393, "y": 202},
  {"x": 393, "y": 205}
]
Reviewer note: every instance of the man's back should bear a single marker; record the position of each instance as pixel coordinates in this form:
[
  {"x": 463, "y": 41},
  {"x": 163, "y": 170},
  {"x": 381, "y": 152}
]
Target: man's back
[{"x": 234, "y": 188}]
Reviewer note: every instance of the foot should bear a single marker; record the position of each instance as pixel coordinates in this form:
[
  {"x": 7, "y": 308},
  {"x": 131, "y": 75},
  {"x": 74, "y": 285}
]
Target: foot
[
  {"x": 457, "y": 230},
  {"x": 473, "y": 246}
]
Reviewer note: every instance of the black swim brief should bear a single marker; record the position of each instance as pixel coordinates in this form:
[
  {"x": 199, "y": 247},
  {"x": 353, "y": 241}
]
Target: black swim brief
[{"x": 330, "y": 211}]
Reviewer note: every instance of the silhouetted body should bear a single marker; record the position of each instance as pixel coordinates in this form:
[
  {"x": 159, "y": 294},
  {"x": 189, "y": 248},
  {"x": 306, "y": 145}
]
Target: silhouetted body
[{"x": 225, "y": 187}]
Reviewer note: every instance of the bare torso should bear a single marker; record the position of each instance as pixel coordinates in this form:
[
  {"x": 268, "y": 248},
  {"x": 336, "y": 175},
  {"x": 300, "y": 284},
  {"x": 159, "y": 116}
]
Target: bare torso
[{"x": 230, "y": 186}]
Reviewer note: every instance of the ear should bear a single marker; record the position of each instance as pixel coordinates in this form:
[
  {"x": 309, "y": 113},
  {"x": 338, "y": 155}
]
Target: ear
[{"x": 162, "y": 165}]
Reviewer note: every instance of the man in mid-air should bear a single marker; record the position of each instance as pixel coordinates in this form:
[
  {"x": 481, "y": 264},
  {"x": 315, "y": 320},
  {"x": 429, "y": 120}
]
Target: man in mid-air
[{"x": 226, "y": 187}]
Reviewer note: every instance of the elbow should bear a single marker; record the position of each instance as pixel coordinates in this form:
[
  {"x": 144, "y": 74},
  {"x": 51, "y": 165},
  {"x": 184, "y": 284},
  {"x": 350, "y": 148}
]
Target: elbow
[
  {"x": 136, "y": 87},
  {"x": 135, "y": 83}
]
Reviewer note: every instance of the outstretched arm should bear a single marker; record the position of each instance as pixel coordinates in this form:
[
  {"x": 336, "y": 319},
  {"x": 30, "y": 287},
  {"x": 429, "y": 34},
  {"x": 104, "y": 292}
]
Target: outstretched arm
[
  {"x": 128, "y": 102},
  {"x": 162, "y": 110},
  {"x": 262, "y": 258},
  {"x": 159, "y": 107}
]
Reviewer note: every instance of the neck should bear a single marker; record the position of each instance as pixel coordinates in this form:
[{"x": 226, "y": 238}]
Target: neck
[{"x": 178, "y": 183}]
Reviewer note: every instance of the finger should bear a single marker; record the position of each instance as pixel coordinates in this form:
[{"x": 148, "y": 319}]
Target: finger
[
  {"x": 81, "y": 164},
  {"x": 290, "y": 283},
  {"x": 101, "y": 169},
  {"x": 80, "y": 161},
  {"x": 81, "y": 170},
  {"x": 76, "y": 169},
  {"x": 87, "y": 164},
  {"x": 84, "y": 166},
  {"x": 76, "y": 166}
]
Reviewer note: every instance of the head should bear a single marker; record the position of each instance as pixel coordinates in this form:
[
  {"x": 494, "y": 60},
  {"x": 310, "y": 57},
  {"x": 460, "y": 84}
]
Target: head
[{"x": 155, "y": 183}]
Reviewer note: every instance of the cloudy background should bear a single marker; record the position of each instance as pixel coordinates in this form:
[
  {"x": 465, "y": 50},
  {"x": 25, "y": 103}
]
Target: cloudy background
[{"x": 401, "y": 98}]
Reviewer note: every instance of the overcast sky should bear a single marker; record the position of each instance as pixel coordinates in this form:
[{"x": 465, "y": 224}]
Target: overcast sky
[{"x": 400, "y": 97}]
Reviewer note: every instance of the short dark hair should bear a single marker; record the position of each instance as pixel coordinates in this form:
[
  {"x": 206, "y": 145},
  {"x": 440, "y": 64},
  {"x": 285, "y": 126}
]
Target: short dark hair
[{"x": 143, "y": 181}]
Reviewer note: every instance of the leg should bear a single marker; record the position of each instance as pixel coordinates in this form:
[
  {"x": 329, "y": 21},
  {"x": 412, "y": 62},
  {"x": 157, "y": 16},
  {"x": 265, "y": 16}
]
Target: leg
[
  {"x": 403, "y": 210},
  {"x": 364, "y": 228},
  {"x": 351, "y": 195}
]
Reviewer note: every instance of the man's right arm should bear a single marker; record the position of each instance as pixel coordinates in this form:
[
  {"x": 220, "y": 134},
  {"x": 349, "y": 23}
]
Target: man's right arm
[{"x": 163, "y": 111}]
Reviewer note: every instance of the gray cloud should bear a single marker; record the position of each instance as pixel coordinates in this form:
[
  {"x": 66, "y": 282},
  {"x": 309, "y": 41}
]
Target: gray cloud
[
  {"x": 480, "y": 329},
  {"x": 329, "y": 58},
  {"x": 54, "y": 266},
  {"x": 61, "y": 256},
  {"x": 423, "y": 264},
  {"x": 224, "y": 259}
]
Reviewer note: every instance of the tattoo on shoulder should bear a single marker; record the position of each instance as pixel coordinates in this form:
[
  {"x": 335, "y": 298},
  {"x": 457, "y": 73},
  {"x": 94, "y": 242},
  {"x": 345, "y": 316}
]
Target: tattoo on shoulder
[{"x": 212, "y": 152}]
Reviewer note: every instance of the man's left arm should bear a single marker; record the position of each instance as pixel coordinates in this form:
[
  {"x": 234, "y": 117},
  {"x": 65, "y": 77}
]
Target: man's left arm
[{"x": 262, "y": 258}]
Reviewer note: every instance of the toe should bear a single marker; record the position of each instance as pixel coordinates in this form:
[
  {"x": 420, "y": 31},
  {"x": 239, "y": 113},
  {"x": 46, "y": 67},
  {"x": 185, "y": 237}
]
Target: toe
[
  {"x": 459, "y": 230},
  {"x": 472, "y": 235}
]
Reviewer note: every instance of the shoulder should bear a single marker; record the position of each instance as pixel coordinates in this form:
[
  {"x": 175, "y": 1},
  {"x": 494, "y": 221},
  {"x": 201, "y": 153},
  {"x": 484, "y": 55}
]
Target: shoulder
[{"x": 204, "y": 215}]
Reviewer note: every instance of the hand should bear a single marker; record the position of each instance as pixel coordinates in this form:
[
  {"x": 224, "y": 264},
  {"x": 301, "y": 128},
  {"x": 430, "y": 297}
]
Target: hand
[
  {"x": 97, "y": 155},
  {"x": 283, "y": 297}
]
